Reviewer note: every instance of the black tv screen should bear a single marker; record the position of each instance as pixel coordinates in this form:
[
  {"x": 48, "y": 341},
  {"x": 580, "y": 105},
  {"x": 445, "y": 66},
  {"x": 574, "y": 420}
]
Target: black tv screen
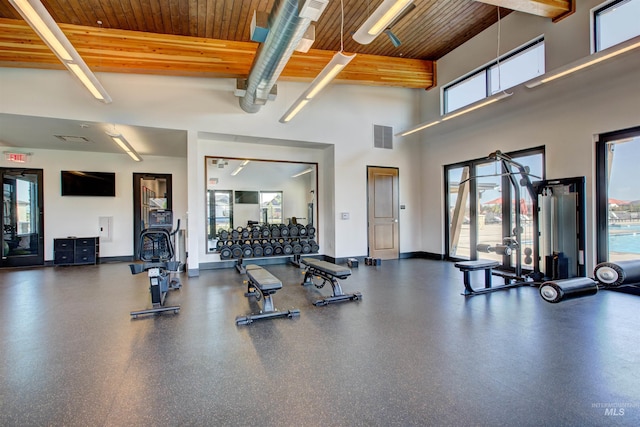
[
  {"x": 248, "y": 197},
  {"x": 80, "y": 183}
]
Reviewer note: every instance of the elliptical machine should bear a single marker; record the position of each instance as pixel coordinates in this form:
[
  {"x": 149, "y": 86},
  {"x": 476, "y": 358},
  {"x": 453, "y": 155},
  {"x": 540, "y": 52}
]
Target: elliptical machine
[{"x": 157, "y": 253}]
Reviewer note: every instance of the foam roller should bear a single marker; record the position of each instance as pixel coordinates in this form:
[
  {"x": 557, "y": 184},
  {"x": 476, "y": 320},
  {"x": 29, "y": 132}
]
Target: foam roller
[
  {"x": 560, "y": 290},
  {"x": 484, "y": 247},
  {"x": 503, "y": 250},
  {"x": 611, "y": 274}
]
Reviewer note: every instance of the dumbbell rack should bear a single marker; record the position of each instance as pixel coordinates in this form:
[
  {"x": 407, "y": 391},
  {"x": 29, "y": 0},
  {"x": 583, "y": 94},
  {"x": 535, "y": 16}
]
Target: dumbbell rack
[{"x": 260, "y": 241}]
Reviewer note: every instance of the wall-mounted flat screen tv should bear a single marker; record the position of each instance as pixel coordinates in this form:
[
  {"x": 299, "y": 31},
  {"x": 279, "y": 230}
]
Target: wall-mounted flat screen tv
[
  {"x": 80, "y": 183},
  {"x": 248, "y": 197}
]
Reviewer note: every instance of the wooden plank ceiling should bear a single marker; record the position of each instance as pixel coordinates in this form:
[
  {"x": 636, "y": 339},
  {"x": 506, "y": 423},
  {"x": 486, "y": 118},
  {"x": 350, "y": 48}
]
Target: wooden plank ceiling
[{"x": 211, "y": 38}]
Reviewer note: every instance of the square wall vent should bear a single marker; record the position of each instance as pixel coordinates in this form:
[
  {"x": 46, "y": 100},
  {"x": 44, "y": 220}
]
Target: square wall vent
[{"x": 383, "y": 137}]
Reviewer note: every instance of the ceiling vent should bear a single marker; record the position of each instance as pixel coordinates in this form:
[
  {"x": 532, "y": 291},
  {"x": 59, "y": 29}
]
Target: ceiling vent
[
  {"x": 312, "y": 9},
  {"x": 73, "y": 139},
  {"x": 383, "y": 137}
]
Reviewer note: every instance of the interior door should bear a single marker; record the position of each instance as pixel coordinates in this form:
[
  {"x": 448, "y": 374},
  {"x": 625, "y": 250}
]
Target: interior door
[
  {"x": 150, "y": 191},
  {"x": 22, "y": 218},
  {"x": 383, "y": 210}
]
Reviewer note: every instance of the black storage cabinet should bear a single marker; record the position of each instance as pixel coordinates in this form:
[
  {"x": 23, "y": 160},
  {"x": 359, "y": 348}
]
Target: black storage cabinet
[{"x": 76, "y": 250}]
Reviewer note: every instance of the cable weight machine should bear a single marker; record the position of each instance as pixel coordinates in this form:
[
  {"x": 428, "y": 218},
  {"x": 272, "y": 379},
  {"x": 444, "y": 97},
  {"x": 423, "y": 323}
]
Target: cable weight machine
[{"x": 556, "y": 250}]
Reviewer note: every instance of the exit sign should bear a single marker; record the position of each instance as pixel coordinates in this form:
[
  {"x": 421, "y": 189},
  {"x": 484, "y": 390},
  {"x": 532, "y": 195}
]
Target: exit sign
[{"x": 16, "y": 157}]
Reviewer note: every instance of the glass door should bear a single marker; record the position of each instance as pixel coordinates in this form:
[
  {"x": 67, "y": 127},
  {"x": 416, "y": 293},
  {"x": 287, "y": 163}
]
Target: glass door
[
  {"x": 220, "y": 215},
  {"x": 489, "y": 195},
  {"x": 150, "y": 191},
  {"x": 618, "y": 196},
  {"x": 458, "y": 212},
  {"x": 22, "y": 218}
]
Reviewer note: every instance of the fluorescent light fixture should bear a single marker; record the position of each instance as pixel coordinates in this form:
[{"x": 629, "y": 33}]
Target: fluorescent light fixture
[
  {"x": 380, "y": 20},
  {"x": 588, "y": 61},
  {"x": 239, "y": 168},
  {"x": 486, "y": 101},
  {"x": 328, "y": 73},
  {"x": 306, "y": 171},
  {"x": 471, "y": 107},
  {"x": 124, "y": 144},
  {"x": 293, "y": 110},
  {"x": 43, "y": 24},
  {"x": 418, "y": 128}
]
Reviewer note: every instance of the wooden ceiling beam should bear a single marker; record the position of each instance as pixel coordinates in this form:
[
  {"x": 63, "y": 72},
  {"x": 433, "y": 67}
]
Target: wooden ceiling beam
[
  {"x": 123, "y": 51},
  {"x": 553, "y": 9}
]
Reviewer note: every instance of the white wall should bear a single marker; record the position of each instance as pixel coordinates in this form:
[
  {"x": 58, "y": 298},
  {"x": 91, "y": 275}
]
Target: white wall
[
  {"x": 78, "y": 216},
  {"x": 564, "y": 116},
  {"x": 341, "y": 118}
]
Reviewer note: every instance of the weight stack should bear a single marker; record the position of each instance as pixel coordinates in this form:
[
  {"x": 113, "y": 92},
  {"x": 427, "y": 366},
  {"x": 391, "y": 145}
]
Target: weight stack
[
  {"x": 561, "y": 290},
  {"x": 557, "y": 266}
]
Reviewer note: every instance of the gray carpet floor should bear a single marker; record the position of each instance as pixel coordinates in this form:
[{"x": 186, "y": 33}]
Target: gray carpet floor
[{"x": 412, "y": 352}]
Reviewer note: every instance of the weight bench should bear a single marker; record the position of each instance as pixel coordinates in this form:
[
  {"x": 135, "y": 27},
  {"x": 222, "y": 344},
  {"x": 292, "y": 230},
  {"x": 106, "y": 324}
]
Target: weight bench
[
  {"x": 330, "y": 273},
  {"x": 262, "y": 285},
  {"x": 481, "y": 264}
]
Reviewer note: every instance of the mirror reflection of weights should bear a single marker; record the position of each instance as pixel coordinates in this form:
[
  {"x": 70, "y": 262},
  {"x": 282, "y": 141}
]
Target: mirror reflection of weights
[{"x": 268, "y": 199}]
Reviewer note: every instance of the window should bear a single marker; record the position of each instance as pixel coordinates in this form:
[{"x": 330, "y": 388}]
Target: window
[
  {"x": 465, "y": 92},
  {"x": 618, "y": 196},
  {"x": 271, "y": 207},
  {"x": 615, "y": 22},
  {"x": 508, "y": 71}
]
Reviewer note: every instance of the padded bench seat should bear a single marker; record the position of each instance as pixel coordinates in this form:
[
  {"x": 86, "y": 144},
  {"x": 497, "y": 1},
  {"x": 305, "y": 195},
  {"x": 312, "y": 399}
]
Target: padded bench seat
[
  {"x": 333, "y": 269},
  {"x": 477, "y": 265},
  {"x": 262, "y": 278}
]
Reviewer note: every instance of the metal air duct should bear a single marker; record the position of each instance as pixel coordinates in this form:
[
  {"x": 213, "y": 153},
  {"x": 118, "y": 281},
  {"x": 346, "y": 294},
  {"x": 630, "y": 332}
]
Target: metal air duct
[{"x": 288, "y": 22}]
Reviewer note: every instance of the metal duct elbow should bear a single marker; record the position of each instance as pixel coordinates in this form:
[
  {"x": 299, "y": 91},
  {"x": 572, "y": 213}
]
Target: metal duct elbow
[{"x": 286, "y": 28}]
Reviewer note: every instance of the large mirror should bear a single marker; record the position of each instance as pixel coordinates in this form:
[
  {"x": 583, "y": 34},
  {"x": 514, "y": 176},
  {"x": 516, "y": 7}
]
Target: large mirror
[{"x": 251, "y": 192}]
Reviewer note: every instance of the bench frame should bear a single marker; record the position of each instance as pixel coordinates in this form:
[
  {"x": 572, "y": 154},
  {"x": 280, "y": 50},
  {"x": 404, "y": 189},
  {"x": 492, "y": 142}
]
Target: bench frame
[
  {"x": 313, "y": 269},
  {"x": 242, "y": 268},
  {"x": 478, "y": 265},
  {"x": 264, "y": 292}
]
